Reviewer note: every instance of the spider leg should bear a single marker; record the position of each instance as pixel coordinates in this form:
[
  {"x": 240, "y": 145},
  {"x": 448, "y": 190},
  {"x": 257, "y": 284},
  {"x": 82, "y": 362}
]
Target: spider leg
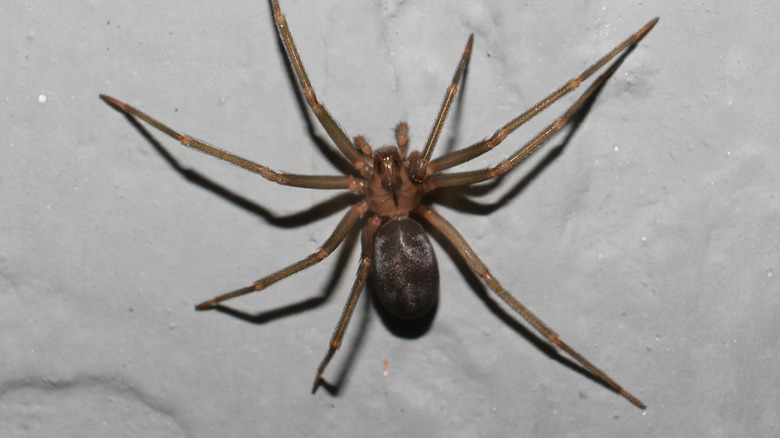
[
  {"x": 365, "y": 262},
  {"x": 335, "y": 132},
  {"x": 449, "y": 96},
  {"x": 402, "y": 137},
  {"x": 288, "y": 179},
  {"x": 463, "y": 248},
  {"x": 458, "y": 157},
  {"x": 339, "y": 234},
  {"x": 475, "y": 176}
]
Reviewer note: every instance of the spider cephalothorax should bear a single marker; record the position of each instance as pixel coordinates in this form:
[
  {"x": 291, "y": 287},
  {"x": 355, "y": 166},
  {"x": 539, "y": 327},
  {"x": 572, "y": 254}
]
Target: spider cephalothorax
[{"x": 390, "y": 191}]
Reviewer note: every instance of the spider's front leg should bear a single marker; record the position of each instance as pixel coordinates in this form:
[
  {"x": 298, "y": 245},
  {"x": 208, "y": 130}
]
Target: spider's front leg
[
  {"x": 335, "y": 132},
  {"x": 475, "y": 176},
  {"x": 366, "y": 255},
  {"x": 323, "y": 182},
  {"x": 461, "y": 156},
  {"x": 421, "y": 167}
]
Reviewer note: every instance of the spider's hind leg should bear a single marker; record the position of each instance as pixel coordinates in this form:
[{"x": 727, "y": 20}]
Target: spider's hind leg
[
  {"x": 339, "y": 234},
  {"x": 367, "y": 253},
  {"x": 462, "y": 247}
]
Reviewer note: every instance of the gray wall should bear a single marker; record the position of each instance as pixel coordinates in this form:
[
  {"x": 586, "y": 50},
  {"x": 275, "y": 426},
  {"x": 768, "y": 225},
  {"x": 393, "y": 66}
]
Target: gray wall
[{"x": 650, "y": 242}]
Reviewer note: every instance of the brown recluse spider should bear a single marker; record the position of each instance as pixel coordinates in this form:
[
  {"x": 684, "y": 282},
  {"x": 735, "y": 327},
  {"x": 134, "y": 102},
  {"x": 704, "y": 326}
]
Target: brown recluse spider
[{"x": 392, "y": 185}]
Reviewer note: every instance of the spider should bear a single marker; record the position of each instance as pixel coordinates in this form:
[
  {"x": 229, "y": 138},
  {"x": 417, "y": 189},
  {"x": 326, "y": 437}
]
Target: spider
[{"x": 392, "y": 184}]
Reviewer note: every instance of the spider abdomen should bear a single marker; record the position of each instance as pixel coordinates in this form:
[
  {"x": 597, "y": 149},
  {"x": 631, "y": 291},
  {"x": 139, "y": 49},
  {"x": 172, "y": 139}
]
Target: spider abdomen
[{"x": 406, "y": 274}]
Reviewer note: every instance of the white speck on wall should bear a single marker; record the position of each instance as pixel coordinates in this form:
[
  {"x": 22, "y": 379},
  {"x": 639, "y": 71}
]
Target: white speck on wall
[{"x": 41, "y": 98}]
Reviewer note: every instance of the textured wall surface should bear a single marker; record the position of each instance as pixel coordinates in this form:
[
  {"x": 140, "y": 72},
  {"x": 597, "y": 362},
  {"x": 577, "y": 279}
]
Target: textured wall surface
[{"x": 648, "y": 239}]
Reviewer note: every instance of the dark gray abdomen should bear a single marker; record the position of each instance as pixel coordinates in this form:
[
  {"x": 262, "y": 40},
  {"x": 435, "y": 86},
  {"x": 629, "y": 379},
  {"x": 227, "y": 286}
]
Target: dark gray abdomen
[{"x": 406, "y": 274}]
